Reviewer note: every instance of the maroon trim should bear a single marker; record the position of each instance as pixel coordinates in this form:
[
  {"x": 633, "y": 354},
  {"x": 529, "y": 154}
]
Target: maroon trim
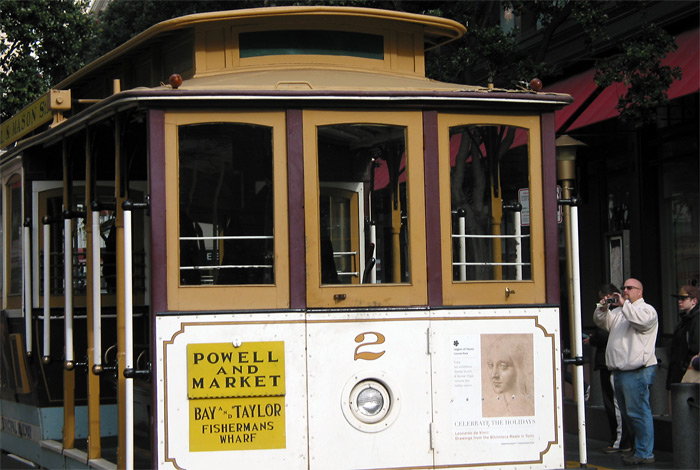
[
  {"x": 549, "y": 195},
  {"x": 432, "y": 207},
  {"x": 156, "y": 155},
  {"x": 295, "y": 191},
  {"x": 159, "y": 256}
]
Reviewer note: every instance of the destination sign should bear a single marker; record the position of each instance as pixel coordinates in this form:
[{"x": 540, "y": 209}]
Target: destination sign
[
  {"x": 237, "y": 424},
  {"x": 33, "y": 116},
  {"x": 223, "y": 370}
]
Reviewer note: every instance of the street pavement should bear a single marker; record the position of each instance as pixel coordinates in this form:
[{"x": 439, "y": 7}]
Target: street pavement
[{"x": 598, "y": 459}]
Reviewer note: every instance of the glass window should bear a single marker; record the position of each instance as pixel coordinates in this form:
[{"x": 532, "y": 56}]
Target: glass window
[
  {"x": 14, "y": 191},
  {"x": 364, "y": 230},
  {"x": 489, "y": 170},
  {"x": 311, "y": 42},
  {"x": 365, "y": 203},
  {"x": 226, "y": 204}
]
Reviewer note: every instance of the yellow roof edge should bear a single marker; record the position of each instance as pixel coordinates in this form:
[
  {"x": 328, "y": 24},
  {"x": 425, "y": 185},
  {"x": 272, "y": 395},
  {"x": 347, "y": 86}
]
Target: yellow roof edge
[{"x": 450, "y": 29}]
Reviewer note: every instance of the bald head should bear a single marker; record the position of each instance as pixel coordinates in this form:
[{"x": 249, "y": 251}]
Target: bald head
[{"x": 633, "y": 290}]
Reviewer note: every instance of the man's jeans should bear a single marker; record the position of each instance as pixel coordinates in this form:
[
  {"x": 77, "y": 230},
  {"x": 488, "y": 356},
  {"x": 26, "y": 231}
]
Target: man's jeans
[{"x": 632, "y": 393}]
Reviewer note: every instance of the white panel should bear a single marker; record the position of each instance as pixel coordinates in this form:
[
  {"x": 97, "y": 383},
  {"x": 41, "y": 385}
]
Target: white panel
[
  {"x": 337, "y": 343},
  {"x": 174, "y": 333},
  {"x": 511, "y": 417}
]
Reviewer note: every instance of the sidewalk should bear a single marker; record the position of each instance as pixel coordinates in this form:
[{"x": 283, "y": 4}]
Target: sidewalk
[{"x": 597, "y": 459}]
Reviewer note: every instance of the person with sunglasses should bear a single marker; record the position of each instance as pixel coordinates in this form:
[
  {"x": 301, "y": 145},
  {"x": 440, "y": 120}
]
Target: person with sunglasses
[
  {"x": 620, "y": 439},
  {"x": 630, "y": 355},
  {"x": 686, "y": 336}
]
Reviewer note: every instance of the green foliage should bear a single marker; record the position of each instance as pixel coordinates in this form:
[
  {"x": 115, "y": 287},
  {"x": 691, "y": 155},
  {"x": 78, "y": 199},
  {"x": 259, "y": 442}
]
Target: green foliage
[
  {"x": 49, "y": 39},
  {"x": 124, "y": 19},
  {"x": 43, "y": 44},
  {"x": 638, "y": 66}
]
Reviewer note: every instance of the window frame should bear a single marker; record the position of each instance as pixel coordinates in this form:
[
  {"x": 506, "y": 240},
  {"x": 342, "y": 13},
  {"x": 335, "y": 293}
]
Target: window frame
[
  {"x": 493, "y": 292},
  {"x": 227, "y": 297},
  {"x": 11, "y": 301},
  {"x": 413, "y": 293}
]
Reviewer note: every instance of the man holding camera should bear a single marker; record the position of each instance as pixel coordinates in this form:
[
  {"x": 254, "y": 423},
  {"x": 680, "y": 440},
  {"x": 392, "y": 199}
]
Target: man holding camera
[{"x": 630, "y": 355}]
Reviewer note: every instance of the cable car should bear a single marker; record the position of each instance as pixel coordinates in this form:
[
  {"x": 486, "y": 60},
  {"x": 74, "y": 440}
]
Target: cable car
[{"x": 264, "y": 238}]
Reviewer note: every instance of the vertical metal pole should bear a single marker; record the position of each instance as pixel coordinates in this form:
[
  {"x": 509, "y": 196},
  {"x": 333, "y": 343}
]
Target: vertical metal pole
[
  {"x": 373, "y": 241},
  {"x": 92, "y": 278},
  {"x": 68, "y": 364},
  {"x": 68, "y": 287},
  {"x": 47, "y": 291},
  {"x": 461, "y": 231},
  {"x": 517, "y": 222},
  {"x": 496, "y": 247},
  {"x": 578, "y": 338},
  {"x": 396, "y": 237},
  {"x": 128, "y": 340},
  {"x": 97, "y": 291},
  {"x": 26, "y": 232},
  {"x": 120, "y": 195}
]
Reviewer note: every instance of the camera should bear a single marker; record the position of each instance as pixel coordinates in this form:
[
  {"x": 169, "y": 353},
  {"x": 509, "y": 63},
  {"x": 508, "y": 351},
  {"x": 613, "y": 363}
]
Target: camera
[{"x": 612, "y": 300}]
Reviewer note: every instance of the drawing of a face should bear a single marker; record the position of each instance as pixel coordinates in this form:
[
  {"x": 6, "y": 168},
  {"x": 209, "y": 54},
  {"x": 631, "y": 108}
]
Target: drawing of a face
[{"x": 503, "y": 373}]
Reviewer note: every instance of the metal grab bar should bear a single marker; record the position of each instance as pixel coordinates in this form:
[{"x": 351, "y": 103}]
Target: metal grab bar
[
  {"x": 227, "y": 266},
  {"x": 47, "y": 290},
  {"x": 230, "y": 237},
  {"x": 68, "y": 287},
  {"x": 489, "y": 236},
  {"x": 128, "y": 341},
  {"x": 96, "y": 292},
  {"x": 461, "y": 236},
  {"x": 26, "y": 261},
  {"x": 487, "y": 263}
]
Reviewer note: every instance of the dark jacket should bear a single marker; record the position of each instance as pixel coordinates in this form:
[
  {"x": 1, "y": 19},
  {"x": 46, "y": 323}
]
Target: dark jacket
[
  {"x": 685, "y": 345},
  {"x": 599, "y": 339}
]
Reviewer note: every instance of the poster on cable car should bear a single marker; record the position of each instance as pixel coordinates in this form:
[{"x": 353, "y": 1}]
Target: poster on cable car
[{"x": 496, "y": 388}]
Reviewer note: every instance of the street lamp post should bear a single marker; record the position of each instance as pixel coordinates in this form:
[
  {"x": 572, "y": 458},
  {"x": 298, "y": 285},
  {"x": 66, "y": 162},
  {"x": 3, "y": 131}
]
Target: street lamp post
[{"x": 566, "y": 173}]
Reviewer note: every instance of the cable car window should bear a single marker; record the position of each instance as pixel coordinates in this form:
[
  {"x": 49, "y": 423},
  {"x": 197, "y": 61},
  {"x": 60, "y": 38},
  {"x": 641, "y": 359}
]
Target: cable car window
[
  {"x": 14, "y": 204},
  {"x": 311, "y": 42},
  {"x": 226, "y": 204},
  {"x": 364, "y": 232},
  {"x": 489, "y": 170}
]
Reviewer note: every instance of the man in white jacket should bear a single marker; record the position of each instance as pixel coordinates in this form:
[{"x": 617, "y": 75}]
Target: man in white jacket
[{"x": 630, "y": 355}]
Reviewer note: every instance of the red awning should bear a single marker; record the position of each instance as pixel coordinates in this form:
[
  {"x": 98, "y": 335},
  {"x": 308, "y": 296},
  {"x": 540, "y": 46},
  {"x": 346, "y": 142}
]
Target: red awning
[
  {"x": 687, "y": 56},
  {"x": 579, "y": 87}
]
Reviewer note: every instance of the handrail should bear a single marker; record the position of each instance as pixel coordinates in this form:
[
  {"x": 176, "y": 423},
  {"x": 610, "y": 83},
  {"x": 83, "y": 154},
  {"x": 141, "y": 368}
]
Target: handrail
[
  {"x": 97, "y": 291},
  {"x": 27, "y": 235},
  {"x": 68, "y": 283},
  {"x": 230, "y": 237},
  {"x": 461, "y": 236},
  {"x": 226, "y": 266},
  {"x": 128, "y": 341},
  {"x": 47, "y": 290}
]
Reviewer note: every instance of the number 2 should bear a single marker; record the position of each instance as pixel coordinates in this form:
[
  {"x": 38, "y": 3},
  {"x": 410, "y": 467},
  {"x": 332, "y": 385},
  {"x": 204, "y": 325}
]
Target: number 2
[{"x": 367, "y": 355}]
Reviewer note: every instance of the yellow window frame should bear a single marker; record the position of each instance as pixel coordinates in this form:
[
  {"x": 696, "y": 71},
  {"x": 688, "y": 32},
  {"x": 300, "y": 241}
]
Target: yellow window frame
[
  {"x": 227, "y": 297},
  {"x": 493, "y": 291},
  {"x": 366, "y": 295}
]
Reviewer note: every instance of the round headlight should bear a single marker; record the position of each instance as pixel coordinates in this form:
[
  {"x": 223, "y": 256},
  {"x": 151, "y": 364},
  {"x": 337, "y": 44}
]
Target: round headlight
[{"x": 370, "y": 401}]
